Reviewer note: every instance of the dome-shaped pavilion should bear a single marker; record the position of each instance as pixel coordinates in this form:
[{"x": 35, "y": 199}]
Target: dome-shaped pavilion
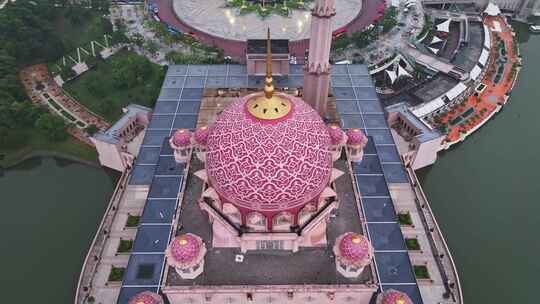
[
  {"x": 146, "y": 297},
  {"x": 356, "y": 137},
  {"x": 201, "y": 135},
  {"x": 180, "y": 142},
  {"x": 356, "y": 141},
  {"x": 336, "y": 134},
  {"x": 353, "y": 252},
  {"x": 392, "y": 296},
  {"x": 181, "y": 138},
  {"x": 186, "y": 254}
]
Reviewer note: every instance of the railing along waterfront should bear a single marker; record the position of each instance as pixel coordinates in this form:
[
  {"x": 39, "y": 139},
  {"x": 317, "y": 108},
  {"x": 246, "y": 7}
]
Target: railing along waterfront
[
  {"x": 95, "y": 251},
  {"x": 435, "y": 237}
]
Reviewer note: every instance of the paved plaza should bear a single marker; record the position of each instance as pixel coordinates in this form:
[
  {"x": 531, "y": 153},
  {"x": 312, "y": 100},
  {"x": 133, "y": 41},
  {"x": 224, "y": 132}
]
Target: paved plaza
[{"x": 212, "y": 17}]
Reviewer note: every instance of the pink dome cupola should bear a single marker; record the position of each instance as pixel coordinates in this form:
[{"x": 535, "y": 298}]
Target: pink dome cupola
[
  {"x": 180, "y": 141},
  {"x": 356, "y": 141},
  {"x": 146, "y": 297},
  {"x": 201, "y": 135},
  {"x": 201, "y": 141},
  {"x": 353, "y": 252},
  {"x": 392, "y": 296},
  {"x": 337, "y": 138},
  {"x": 186, "y": 254}
]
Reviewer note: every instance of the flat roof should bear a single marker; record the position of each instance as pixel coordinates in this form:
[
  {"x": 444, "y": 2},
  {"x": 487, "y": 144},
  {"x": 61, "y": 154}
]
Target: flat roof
[
  {"x": 269, "y": 267},
  {"x": 358, "y": 106}
]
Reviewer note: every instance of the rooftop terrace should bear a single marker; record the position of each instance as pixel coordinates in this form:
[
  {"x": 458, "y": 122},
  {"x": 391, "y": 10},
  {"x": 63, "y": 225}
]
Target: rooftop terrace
[
  {"x": 358, "y": 107},
  {"x": 268, "y": 267}
]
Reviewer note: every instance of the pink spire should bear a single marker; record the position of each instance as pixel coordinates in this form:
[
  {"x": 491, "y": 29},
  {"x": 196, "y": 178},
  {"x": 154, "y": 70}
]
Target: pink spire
[{"x": 317, "y": 69}]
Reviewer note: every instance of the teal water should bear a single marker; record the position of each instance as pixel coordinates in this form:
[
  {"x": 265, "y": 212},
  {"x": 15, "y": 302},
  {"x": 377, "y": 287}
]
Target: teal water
[
  {"x": 50, "y": 210},
  {"x": 485, "y": 194}
]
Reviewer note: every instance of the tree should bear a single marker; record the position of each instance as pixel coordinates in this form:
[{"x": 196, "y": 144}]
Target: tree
[
  {"x": 52, "y": 126},
  {"x": 91, "y": 129},
  {"x": 95, "y": 85},
  {"x": 151, "y": 47}
]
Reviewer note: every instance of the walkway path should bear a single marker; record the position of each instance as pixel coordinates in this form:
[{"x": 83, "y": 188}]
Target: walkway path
[{"x": 41, "y": 88}]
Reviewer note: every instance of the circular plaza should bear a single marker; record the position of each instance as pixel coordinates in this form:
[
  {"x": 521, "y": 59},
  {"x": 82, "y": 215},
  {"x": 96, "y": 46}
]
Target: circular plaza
[{"x": 215, "y": 18}]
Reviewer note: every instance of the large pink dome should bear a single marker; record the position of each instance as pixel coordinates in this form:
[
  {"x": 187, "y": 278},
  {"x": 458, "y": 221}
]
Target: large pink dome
[
  {"x": 146, "y": 297},
  {"x": 269, "y": 164},
  {"x": 392, "y": 296}
]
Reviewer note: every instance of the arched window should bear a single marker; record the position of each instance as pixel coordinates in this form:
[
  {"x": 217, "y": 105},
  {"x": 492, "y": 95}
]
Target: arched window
[
  {"x": 256, "y": 221},
  {"x": 282, "y": 221}
]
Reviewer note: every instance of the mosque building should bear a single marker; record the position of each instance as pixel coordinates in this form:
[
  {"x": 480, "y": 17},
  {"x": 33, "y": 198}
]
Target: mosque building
[{"x": 271, "y": 193}]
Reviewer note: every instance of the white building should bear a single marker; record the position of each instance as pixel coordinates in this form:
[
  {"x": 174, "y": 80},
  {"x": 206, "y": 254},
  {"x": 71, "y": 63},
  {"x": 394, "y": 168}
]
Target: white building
[{"x": 119, "y": 145}]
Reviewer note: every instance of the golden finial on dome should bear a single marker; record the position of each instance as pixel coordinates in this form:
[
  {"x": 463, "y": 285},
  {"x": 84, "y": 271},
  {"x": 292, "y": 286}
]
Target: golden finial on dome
[
  {"x": 269, "y": 106},
  {"x": 269, "y": 82}
]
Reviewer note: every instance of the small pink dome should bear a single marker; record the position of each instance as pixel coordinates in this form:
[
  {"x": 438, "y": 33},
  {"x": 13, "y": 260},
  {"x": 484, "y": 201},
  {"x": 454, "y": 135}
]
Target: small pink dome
[
  {"x": 336, "y": 134},
  {"x": 146, "y": 297},
  {"x": 181, "y": 138},
  {"x": 392, "y": 296},
  {"x": 201, "y": 135},
  {"x": 352, "y": 248},
  {"x": 186, "y": 250},
  {"x": 356, "y": 137}
]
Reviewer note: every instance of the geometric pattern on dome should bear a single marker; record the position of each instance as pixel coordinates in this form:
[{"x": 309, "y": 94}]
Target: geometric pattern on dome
[
  {"x": 269, "y": 166},
  {"x": 181, "y": 137},
  {"x": 356, "y": 137},
  {"x": 392, "y": 296},
  {"x": 336, "y": 134},
  {"x": 185, "y": 251},
  {"x": 146, "y": 297},
  {"x": 353, "y": 249},
  {"x": 201, "y": 135}
]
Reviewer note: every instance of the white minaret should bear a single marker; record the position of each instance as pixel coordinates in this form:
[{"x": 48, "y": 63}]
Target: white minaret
[{"x": 317, "y": 69}]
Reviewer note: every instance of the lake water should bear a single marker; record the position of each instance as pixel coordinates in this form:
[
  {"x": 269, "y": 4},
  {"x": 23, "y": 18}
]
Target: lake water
[
  {"x": 50, "y": 210},
  {"x": 485, "y": 194}
]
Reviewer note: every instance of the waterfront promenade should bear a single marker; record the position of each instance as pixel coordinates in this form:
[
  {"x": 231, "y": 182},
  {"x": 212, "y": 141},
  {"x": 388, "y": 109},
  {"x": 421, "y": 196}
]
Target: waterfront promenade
[{"x": 502, "y": 71}]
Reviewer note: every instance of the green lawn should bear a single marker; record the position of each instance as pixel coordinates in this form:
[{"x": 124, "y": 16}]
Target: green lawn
[
  {"x": 421, "y": 272},
  {"x": 116, "y": 274},
  {"x": 404, "y": 219},
  {"x": 23, "y": 142},
  {"x": 125, "y": 246},
  {"x": 132, "y": 221},
  {"x": 97, "y": 89},
  {"x": 412, "y": 244}
]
